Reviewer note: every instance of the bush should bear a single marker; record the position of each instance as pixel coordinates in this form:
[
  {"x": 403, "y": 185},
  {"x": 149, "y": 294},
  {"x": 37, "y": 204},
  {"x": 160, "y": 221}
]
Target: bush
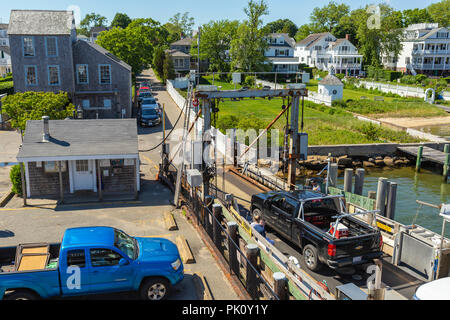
[
  {"x": 16, "y": 180},
  {"x": 227, "y": 122},
  {"x": 420, "y": 78},
  {"x": 339, "y": 104},
  {"x": 392, "y": 75},
  {"x": 407, "y": 79},
  {"x": 250, "y": 81},
  {"x": 340, "y": 76},
  {"x": 371, "y": 131},
  {"x": 447, "y": 79},
  {"x": 6, "y": 79}
]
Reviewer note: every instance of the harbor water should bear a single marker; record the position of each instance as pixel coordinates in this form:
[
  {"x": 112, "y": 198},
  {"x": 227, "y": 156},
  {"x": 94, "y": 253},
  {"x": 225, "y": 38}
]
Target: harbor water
[{"x": 426, "y": 186}]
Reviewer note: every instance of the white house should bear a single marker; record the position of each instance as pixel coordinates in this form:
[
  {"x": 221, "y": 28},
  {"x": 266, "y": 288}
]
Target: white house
[
  {"x": 331, "y": 87},
  {"x": 281, "y": 53},
  {"x": 426, "y": 49},
  {"x": 324, "y": 51},
  {"x": 5, "y": 53}
]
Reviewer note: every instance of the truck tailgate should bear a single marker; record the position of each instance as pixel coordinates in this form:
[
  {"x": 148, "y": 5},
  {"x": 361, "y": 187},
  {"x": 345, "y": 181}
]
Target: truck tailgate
[{"x": 357, "y": 246}]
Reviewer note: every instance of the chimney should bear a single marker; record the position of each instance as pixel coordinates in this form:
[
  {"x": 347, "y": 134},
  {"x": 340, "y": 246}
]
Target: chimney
[
  {"x": 46, "y": 133},
  {"x": 347, "y": 37}
]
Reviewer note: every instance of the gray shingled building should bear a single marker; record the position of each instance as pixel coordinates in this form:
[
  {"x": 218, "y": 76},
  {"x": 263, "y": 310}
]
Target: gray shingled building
[
  {"x": 63, "y": 157},
  {"x": 46, "y": 56}
]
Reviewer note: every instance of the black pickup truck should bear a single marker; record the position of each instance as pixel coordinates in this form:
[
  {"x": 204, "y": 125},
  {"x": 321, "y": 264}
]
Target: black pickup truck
[{"x": 309, "y": 220}]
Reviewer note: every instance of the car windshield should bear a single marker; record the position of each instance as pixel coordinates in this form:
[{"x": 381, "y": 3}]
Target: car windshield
[
  {"x": 145, "y": 94},
  {"x": 126, "y": 244},
  {"x": 148, "y": 101},
  {"x": 149, "y": 112}
]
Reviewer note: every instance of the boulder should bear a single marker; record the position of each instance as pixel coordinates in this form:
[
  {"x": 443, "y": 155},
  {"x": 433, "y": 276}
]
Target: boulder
[
  {"x": 368, "y": 164},
  {"x": 379, "y": 163},
  {"x": 345, "y": 162},
  {"x": 389, "y": 162}
]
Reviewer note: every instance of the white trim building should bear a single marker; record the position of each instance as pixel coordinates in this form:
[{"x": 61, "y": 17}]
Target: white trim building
[
  {"x": 281, "y": 53},
  {"x": 324, "y": 51}
]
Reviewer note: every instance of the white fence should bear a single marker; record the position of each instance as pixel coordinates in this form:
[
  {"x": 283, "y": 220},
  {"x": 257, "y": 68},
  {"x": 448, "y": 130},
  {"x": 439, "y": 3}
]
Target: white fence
[{"x": 403, "y": 91}]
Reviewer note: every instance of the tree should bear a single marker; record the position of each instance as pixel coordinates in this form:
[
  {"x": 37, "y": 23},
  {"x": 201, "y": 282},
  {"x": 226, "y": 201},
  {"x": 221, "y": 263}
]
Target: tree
[
  {"x": 283, "y": 26},
  {"x": 158, "y": 61},
  {"x": 174, "y": 32},
  {"x": 440, "y": 12},
  {"x": 132, "y": 45},
  {"x": 247, "y": 49},
  {"x": 121, "y": 20},
  {"x": 215, "y": 43},
  {"x": 21, "y": 107},
  {"x": 304, "y": 31},
  {"x": 328, "y": 17},
  {"x": 411, "y": 16},
  {"x": 168, "y": 69},
  {"x": 183, "y": 23},
  {"x": 92, "y": 20}
]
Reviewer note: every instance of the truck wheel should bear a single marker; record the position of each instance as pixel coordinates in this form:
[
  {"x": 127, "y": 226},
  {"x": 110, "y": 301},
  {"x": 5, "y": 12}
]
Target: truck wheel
[
  {"x": 155, "y": 289},
  {"x": 311, "y": 258},
  {"x": 256, "y": 212},
  {"x": 21, "y": 295}
]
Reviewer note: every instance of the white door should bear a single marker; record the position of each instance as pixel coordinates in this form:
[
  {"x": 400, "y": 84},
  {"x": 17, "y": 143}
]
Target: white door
[{"x": 83, "y": 175}]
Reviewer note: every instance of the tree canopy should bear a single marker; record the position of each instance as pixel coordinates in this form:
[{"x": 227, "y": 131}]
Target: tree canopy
[
  {"x": 21, "y": 107},
  {"x": 121, "y": 20},
  {"x": 328, "y": 17},
  {"x": 440, "y": 12},
  {"x": 92, "y": 20},
  {"x": 182, "y": 24},
  {"x": 283, "y": 26}
]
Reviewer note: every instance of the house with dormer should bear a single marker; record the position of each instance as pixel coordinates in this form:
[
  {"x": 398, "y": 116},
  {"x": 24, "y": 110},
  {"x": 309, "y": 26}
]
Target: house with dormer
[
  {"x": 326, "y": 52},
  {"x": 280, "y": 53},
  {"x": 47, "y": 56}
]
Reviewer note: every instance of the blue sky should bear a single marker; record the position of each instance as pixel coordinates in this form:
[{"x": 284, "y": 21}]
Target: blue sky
[{"x": 202, "y": 10}]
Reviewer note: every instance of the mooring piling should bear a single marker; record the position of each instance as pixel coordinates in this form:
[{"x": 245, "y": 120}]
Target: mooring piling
[
  {"x": 381, "y": 196},
  {"x": 348, "y": 179},
  {"x": 419, "y": 158},
  {"x": 359, "y": 181}
]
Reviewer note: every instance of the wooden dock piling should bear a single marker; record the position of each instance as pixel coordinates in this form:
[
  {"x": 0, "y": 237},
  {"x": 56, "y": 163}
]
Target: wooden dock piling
[
  {"x": 348, "y": 179},
  {"x": 359, "y": 181},
  {"x": 419, "y": 158},
  {"x": 381, "y": 196}
]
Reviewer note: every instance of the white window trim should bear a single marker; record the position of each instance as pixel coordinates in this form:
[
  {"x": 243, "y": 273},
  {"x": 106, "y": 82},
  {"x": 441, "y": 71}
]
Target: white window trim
[
  {"x": 59, "y": 75},
  {"x": 100, "y": 74},
  {"x": 26, "y": 75},
  {"x": 56, "y": 47},
  {"x": 23, "y": 47},
  {"x": 87, "y": 73}
]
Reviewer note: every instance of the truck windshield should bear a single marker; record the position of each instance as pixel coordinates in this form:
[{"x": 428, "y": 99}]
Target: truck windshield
[{"x": 126, "y": 244}]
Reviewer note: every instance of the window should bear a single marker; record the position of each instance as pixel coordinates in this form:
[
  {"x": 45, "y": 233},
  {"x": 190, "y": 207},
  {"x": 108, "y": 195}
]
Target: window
[
  {"x": 107, "y": 103},
  {"x": 51, "y": 44},
  {"x": 31, "y": 75},
  {"x": 82, "y": 74},
  {"x": 86, "y": 104},
  {"x": 53, "y": 75},
  {"x": 76, "y": 258},
  {"x": 28, "y": 47},
  {"x": 105, "y": 74},
  {"x": 104, "y": 258},
  {"x": 82, "y": 165}
]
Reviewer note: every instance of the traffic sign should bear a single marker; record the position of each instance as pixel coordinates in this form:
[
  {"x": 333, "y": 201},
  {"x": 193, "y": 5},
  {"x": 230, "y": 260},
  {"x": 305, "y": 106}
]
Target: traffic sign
[{"x": 195, "y": 103}]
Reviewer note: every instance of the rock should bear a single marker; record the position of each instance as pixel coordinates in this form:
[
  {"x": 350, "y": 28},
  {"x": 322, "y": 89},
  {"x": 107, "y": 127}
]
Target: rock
[
  {"x": 379, "y": 163},
  {"x": 345, "y": 162},
  {"x": 368, "y": 164},
  {"x": 379, "y": 158},
  {"x": 388, "y": 161},
  {"x": 357, "y": 164},
  {"x": 371, "y": 160}
]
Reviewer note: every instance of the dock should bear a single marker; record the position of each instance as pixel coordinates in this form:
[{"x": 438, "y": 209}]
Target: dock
[{"x": 428, "y": 154}]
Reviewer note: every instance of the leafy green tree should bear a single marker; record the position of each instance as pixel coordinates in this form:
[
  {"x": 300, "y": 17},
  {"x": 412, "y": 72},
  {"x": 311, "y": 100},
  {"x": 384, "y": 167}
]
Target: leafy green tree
[
  {"x": 156, "y": 33},
  {"x": 158, "y": 61},
  {"x": 328, "y": 17},
  {"x": 121, "y": 20},
  {"x": 283, "y": 26},
  {"x": 183, "y": 23},
  {"x": 174, "y": 32},
  {"x": 15, "y": 176},
  {"x": 215, "y": 43},
  {"x": 168, "y": 69},
  {"x": 411, "y": 16},
  {"x": 21, "y": 107},
  {"x": 440, "y": 12},
  {"x": 247, "y": 49},
  {"x": 132, "y": 45},
  {"x": 92, "y": 20},
  {"x": 304, "y": 31}
]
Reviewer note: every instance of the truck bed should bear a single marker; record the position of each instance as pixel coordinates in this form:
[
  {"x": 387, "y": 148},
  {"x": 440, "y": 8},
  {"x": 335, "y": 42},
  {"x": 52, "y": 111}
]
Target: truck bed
[{"x": 8, "y": 258}]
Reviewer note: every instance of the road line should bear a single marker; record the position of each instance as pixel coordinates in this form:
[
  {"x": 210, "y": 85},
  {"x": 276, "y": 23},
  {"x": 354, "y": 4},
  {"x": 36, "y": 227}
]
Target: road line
[{"x": 150, "y": 160}]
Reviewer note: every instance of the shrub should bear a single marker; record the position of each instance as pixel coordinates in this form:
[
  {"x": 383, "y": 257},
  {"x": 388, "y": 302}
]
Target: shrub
[
  {"x": 407, "y": 79},
  {"x": 16, "y": 180},
  {"x": 447, "y": 79},
  {"x": 339, "y": 104},
  {"x": 227, "y": 122},
  {"x": 371, "y": 131},
  {"x": 250, "y": 81},
  {"x": 392, "y": 75},
  {"x": 340, "y": 76}
]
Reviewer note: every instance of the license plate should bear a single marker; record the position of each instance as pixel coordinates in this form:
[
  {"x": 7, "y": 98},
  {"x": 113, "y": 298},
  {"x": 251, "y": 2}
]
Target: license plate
[{"x": 357, "y": 259}]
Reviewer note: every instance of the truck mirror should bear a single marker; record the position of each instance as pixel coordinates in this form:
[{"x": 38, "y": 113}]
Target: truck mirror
[{"x": 123, "y": 262}]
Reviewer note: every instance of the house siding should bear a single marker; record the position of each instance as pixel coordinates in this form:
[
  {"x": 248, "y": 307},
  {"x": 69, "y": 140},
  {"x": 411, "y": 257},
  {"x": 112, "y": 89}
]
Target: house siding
[
  {"x": 64, "y": 60},
  {"x": 46, "y": 184},
  {"x": 117, "y": 182}
]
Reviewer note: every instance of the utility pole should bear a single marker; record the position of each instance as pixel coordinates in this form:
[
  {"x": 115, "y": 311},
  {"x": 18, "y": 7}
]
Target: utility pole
[
  {"x": 198, "y": 54},
  {"x": 294, "y": 147}
]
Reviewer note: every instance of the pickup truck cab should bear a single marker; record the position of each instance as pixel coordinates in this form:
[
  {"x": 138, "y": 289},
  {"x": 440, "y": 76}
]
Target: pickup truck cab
[
  {"x": 309, "y": 220},
  {"x": 93, "y": 260}
]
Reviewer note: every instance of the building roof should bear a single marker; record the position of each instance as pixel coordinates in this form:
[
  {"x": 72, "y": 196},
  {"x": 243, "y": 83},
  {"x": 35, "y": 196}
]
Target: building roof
[
  {"x": 177, "y": 53},
  {"x": 99, "y": 29},
  {"x": 431, "y": 32},
  {"x": 309, "y": 40},
  {"x": 41, "y": 22},
  {"x": 5, "y": 49},
  {"x": 331, "y": 81},
  {"x": 80, "y": 138},
  {"x": 337, "y": 42},
  {"x": 183, "y": 42},
  {"x": 103, "y": 51},
  {"x": 3, "y": 26},
  {"x": 289, "y": 40}
]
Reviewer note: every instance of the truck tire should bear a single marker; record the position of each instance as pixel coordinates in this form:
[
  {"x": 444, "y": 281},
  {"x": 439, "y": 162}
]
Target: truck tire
[
  {"x": 256, "y": 212},
  {"x": 21, "y": 295},
  {"x": 155, "y": 289},
  {"x": 311, "y": 258}
]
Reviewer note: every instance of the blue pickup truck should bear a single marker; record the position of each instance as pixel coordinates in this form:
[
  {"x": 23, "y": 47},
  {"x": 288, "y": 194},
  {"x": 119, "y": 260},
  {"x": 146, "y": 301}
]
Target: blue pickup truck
[{"x": 91, "y": 260}]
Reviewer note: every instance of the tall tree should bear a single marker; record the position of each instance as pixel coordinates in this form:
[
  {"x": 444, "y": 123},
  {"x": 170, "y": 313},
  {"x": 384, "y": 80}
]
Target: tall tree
[
  {"x": 247, "y": 50},
  {"x": 328, "y": 17},
  {"x": 440, "y": 12},
  {"x": 168, "y": 69},
  {"x": 158, "y": 61},
  {"x": 215, "y": 44},
  {"x": 283, "y": 26},
  {"x": 92, "y": 20},
  {"x": 304, "y": 31},
  {"x": 121, "y": 20},
  {"x": 183, "y": 23}
]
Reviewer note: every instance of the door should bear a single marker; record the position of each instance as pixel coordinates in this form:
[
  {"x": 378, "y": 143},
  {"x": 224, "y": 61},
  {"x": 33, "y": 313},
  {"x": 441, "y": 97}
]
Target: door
[
  {"x": 284, "y": 209},
  {"x": 74, "y": 282},
  {"x": 106, "y": 275},
  {"x": 83, "y": 175}
]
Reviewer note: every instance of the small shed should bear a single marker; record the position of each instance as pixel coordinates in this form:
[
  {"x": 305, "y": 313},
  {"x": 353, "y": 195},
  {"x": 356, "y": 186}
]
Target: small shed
[
  {"x": 63, "y": 157},
  {"x": 332, "y": 87}
]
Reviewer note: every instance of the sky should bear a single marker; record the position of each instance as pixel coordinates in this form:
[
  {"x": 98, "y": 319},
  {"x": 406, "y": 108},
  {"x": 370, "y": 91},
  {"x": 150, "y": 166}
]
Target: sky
[{"x": 202, "y": 10}]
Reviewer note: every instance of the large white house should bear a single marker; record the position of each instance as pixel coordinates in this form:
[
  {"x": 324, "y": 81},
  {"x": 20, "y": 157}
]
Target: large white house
[
  {"x": 324, "y": 51},
  {"x": 426, "y": 49},
  {"x": 281, "y": 53},
  {"x": 5, "y": 54}
]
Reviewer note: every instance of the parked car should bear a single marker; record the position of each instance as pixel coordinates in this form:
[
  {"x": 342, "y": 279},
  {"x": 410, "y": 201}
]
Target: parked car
[
  {"x": 150, "y": 117},
  {"x": 144, "y": 92},
  {"x": 108, "y": 260},
  {"x": 151, "y": 103},
  {"x": 310, "y": 219},
  {"x": 434, "y": 290}
]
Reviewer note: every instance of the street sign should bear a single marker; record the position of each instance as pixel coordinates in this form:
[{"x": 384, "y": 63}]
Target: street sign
[
  {"x": 237, "y": 78},
  {"x": 195, "y": 103}
]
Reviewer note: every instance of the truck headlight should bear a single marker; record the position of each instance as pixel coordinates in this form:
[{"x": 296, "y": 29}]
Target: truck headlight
[{"x": 176, "y": 265}]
